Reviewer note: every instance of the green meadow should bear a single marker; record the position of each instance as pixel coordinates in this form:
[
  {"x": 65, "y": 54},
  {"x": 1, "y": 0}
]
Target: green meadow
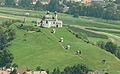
[{"x": 32, "y": 49}]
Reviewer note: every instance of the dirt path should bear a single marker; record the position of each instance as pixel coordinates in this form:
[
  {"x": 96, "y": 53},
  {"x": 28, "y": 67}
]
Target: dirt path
[
  {"x": 103, "y": 29},
  {"x": 112, "y": 37}
]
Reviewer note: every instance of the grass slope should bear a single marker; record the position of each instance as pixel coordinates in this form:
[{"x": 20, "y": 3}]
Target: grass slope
[{"x": 42, "y": 48}]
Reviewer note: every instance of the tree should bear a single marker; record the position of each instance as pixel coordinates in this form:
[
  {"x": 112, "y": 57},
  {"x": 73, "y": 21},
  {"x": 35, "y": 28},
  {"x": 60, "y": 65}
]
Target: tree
[
  {"x": 117, "y": 1},
  {"x": 76, "y": 69},
  {"x": 110, "y": 11},
  {"x": 9, "y": 2},
  {"x": 5, "y": 58},
  {"x": 101, "y": 44},
  {"x": 53, "y": 5},
  {"x": 56, "y": 71},
  {"x": 95, "y": 9},
  {"x": 11, "y": 34},
  {"x": 47, "y": 71},
  {"x": 111, "y": 47},
  {"x": 118, "y": 54},
  {"x": 38, "y": 68},
  {"x": 75, "y": 9},
  {"x": 3, "y": 40},
  {"x": 14, "y": 65},
  {"x": 39, "y": 6},
  {"x": 83, "y": 36},
  {"x": 14, "y": 71},
  {"x": 25, "y": 3}
]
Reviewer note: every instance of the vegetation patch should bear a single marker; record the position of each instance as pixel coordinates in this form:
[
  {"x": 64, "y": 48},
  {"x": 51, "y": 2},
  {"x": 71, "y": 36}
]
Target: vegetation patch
[{"x": 89, "y": 34}]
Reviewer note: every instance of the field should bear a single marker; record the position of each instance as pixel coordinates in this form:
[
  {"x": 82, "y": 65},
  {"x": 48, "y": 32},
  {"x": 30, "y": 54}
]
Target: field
[{"x": 44, "y": 49}]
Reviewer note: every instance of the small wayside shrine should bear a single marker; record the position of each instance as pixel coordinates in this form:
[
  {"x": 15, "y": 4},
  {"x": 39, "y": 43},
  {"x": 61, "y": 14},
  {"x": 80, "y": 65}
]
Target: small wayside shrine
[{"x": 49, "y": 21}]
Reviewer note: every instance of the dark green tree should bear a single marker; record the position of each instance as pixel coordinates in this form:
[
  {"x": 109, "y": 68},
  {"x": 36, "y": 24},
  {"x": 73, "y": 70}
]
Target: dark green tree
[
  {"x": 76, "y": 69},
  {"x": 101, "y": 44},
  {"x": 111, "y": 47},
  {"x": 25, "y": 3},
  {"x": 14, "y": 65},
  {"x": 14, "y": 71},
  {"x": 56, "y": 71},
  {"x": 9, "y": 2},
  {"x": 39, "y": 6},
  {"x": 117, "y": 1},
  {"x": 38, "y": 68},
  {"x": 118, "y": 54},
  {"x": 110, "y": 11},
  {"x": 5, "y": 58},
  {"x": 53, "y": 5},
  {"x": 95, "y": 10},
  {"x": 11, "y": 34},
  {"x": 75, "y": 9},
  {"x": 3, "y": 40}
]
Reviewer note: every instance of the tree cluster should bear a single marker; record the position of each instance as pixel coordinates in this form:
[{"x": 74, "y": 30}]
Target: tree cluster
[
  {"x": 110, "y": 47},
  {"x": 28, "y": 27},
  {"x": 5, "y": 58},
  {"x": 108, "y": 10},
  {"x": 6, "y": 35},
  {"x": 76, "y": 69}
]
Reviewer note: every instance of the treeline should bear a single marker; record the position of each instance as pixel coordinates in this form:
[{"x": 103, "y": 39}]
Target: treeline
[
  {"x": 7, "y": 34},
  {"x": 110, "y": 47},
  {"x": 76, "y": 69},
  {"x": 108, "y": 10},
  {"x": 28, "y": 4}
]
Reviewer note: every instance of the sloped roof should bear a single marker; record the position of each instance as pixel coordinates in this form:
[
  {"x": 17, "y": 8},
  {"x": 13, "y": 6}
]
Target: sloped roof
[
  {"x": 97, "y": 0},
  {"x": 4, "y": 72},
  {"x": 21, "y": 70},
  {"x": 36, "y": 72}
]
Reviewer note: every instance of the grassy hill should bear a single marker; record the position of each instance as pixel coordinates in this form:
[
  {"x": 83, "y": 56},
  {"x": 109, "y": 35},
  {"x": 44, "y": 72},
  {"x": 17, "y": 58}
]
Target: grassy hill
[
  {"x": 32, "y": 49},
  {"x": 43, "y": 49}
]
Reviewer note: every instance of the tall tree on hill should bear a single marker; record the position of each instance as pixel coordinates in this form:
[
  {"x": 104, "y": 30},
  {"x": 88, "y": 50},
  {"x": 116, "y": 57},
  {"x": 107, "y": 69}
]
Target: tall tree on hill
[
  {"x": 95, "y": 10},
  {"x": 5, "y": 58},
  {"x": 111, "y": 47},
  {"x": 14, "y": 71},
  {"x": 9, "y": 2},
  {"x": 3, "y": 40},
  {"x": 25, "y": 3},
  {"x": 56, "y": 71},
  {"x": 75, "y": 9},
  {"x": 39, "y": 6},
  {"x": 53, "y": 5},
  {"x": 6, "y": 35},
  {"x": 117, "y": 1},
  {"x": 110, "y": 11}
]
